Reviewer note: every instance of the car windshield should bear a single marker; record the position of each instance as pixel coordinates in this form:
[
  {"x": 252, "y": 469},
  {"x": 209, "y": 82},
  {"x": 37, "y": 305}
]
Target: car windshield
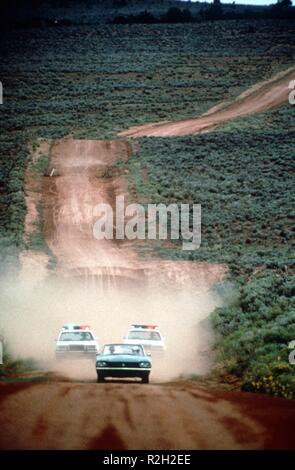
[
  {"x": 123, "y": 349},
  {"x": 145, "y": 335},
  {"x": 76, "y": 336}
]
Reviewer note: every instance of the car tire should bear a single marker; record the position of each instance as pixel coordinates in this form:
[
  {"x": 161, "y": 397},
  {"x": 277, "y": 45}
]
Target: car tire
[
  {"x": 100, "y": 378},
  {"x": 145, "y": 379}
]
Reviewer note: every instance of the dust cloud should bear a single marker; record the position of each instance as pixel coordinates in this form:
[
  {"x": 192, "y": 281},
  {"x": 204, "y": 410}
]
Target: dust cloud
[{"x": 32, "y": 315}]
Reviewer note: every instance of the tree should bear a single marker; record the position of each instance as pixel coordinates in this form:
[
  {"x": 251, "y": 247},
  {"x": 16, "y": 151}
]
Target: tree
[
  {"x": 282, "y": 9},
  {"x": 175, "y": 15},
  {"x": 215, "y": 11},
  {"x": 285, "y": 3}
]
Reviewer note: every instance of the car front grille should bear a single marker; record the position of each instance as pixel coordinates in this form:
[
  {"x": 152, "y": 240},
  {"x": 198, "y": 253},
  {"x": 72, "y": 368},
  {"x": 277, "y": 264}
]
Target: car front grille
[
  {"x": 120, "y": 364},
  {"x": 76, "y": 347}
]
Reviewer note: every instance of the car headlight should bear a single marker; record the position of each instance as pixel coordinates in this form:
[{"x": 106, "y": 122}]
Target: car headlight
[
  {"x": 144, "y": 364},
  {"x": 91, "y": 348},
  {"x": 61, "y": 348},
  {"x": 101, "y": 364}
]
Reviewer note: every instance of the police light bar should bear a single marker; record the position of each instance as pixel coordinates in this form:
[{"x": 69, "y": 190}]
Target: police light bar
[
  {"x": 75, "y": 327},
  {"x": 145, "y": 327}
]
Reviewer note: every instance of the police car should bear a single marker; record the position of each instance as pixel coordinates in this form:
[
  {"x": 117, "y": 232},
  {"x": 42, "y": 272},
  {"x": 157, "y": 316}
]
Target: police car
[
  {"x": 76, "y": 341},
  {"x": 148, "y": 336}
]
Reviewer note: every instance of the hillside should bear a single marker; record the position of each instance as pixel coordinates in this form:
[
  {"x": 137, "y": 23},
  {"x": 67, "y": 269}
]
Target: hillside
[{"x": 32, "y": 13}]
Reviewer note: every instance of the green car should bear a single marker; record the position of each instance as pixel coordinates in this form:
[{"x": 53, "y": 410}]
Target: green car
[{"x": 123, "y": 361}]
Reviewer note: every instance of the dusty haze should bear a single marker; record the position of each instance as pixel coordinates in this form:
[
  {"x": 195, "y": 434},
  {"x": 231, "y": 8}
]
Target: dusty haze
[{"x": 32, "y": 315}]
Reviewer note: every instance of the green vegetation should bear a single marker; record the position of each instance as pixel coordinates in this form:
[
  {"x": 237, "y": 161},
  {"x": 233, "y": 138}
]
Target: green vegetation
[
  {"x": 254, "y": 332},
  {"x": 212, "y": 12},
  {"x": 13, "y": 367},
  {"x": 41, "y": 164},
  {"x": 37, "y": 242},
  {"x": 242, "y": 175},
  {"x": 14, "y": 158},
  {"x": 245, "y": 186},
  {"x": 22, "y": 370}
]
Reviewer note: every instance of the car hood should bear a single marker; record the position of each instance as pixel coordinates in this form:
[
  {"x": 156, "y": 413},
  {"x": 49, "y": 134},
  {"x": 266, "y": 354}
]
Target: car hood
[
  {"x": 80, "y": 343},
  {"x": 148, "y": 342},
  {"x": 122, "y": 358}
]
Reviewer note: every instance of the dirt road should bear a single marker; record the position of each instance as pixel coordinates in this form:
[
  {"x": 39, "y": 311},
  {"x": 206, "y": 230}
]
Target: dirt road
[
  {"x": 84, "y": 176},
  {"x": 129, "y": 416},
  {"x": 258, "y": 99}
]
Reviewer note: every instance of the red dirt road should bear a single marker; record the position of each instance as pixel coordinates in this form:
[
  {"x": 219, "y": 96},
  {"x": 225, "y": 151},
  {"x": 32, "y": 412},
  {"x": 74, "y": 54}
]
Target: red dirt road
[
  {"x": 83, "y": 170},
  {"x": 258, "y": 99},
  {"x": 133, "y": 416}
]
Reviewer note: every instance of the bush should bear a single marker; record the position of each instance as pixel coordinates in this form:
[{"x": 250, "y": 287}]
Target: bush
[
  {"x": 41, "y": 164},
  {"x": 254, "y": 335}
]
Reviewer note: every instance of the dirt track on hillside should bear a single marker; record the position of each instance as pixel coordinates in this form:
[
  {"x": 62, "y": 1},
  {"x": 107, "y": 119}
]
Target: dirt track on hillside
[
  {"x": 84, "y": 176},
  {"x": 258, "y": 99}
]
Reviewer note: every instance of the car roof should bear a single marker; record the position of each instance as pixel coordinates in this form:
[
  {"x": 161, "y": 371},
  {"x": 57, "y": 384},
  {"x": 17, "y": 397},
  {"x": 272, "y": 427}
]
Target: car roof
[
  {"x": 148, "y": 330},
  {"x": 122, "y": 344},
  {"x": 75, "y": 331},
  {"x": 137, "y": 326},
  {"x": 145, "y": 329},
  {"x": 75, "y": 327}
]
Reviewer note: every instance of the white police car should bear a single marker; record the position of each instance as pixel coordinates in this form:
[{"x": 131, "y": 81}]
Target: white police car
[
  {"x": 75, "y": 341},
  {"x": 148, "y": 336}
]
